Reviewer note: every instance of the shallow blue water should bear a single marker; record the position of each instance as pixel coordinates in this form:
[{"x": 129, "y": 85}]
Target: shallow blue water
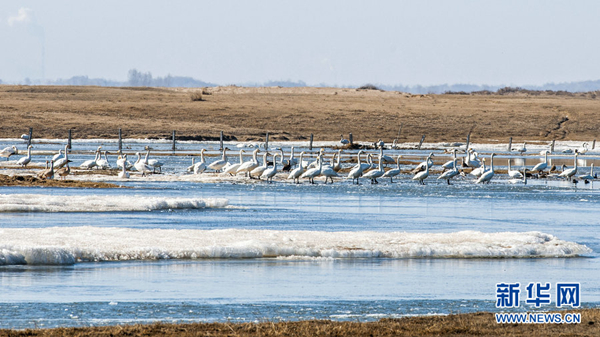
[{"x": 291, "y": 289}]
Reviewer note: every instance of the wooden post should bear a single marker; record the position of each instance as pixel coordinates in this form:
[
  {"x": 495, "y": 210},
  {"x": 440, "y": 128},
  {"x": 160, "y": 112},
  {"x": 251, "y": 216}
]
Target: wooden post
[
  {"x": 120, "y": 141},
  {"x": 421, "y": 142},
  {"x": 509, "y": 144},
  {"x": 594, "y": 144},
  {"x": 221, "y": 142},
  {"x": 468, "y": 140},
  {"x": 311, "y": 142},
  {"x": 69, "y": 141},
  {"x": 30, "y": 136},
  {"x": 552, "y": 145},
  {"x": 173, "y": 140},
  {"x": 267, "y": 141},
  {"x": 350, "y": 139}
]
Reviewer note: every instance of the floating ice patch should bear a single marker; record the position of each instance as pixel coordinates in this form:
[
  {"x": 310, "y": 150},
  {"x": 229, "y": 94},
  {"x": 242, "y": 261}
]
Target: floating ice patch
[
  {"x": 105, "y": 203},
  {"x": 68, "y": 245}
]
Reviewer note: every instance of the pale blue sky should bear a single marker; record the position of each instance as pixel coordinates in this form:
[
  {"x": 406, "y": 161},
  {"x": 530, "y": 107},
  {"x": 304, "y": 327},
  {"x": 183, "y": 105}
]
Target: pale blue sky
[{"x": 333, "y": 42}]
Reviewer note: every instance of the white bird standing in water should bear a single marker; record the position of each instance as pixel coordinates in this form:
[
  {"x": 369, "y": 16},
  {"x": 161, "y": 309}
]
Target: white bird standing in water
[
  {"x": 487, "y": 176},
  {"x": 25, "y": 160},
  {"x": 393, "y": 172},
  {"x": 422, "y": 175},
  {"x": 257, "y": 172},
  {"x": 570, "y": 172},
  {"x": 141, "y": 167},
  {"x": 9, "y": 151},
  {"x": 451, "y": 173},
  {"x": 219, "y": 164},
  {"x": 268, "y": 174},
  {"x": 124, "y": 174},
  {"x": 514, "y": 174},
  {"x": 543, "y": 165},
  {"x": 297, "y": 172}
]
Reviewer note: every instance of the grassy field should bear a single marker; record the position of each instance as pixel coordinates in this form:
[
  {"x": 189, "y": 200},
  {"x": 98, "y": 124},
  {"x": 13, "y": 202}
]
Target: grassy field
[
  {"x": 295, "y": 113},
  {"x": 477, "y": 324}
]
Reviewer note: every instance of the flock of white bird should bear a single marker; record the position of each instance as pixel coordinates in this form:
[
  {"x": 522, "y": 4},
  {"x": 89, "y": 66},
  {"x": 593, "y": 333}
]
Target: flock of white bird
[{"x": 297, "y": 169}]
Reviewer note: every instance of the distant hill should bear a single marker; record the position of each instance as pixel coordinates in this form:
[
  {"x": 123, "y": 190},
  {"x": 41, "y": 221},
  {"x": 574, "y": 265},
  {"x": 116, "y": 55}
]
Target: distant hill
[{"x": 136, "y": 78}]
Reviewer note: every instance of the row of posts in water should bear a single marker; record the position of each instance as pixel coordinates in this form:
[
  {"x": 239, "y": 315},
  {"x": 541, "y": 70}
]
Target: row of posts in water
[{"x": 310, "y": 144}]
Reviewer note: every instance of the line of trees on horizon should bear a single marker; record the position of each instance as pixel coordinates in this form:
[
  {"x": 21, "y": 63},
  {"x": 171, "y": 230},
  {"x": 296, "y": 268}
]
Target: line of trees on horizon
[{"x": 136, "y": 78}]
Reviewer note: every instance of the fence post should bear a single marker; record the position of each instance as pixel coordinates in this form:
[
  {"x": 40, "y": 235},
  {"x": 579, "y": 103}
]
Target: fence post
[
  {"x": 267, "y": 141},
  {"x": 30, "y": 136},
  {"x": 311, "y": 141},
  {"x": 69, "y": 141},
  {"x": 221, "y": 142},
  {"x": 594, "y": 144},
  {"x": 552, "y": 145},
  {"x": 173, "y": 140},
  {"x": 120, "y": 141},
  {"x": 421, "y": 142},
  {"x": 509, "y": 144},
  {"x": 350, "y": 139}
]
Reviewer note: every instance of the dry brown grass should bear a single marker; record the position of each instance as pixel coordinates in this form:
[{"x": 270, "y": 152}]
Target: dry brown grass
[
  {"x": 477, "y": 324},
  {"x": 295, "y": 113},
  {"x": 34, "y": 181}
]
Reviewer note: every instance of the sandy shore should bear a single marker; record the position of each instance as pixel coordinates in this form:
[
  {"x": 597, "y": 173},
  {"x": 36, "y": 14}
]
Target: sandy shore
[
  {"x": 476, "y": 324},
  {"x": 295, "y": 113}
]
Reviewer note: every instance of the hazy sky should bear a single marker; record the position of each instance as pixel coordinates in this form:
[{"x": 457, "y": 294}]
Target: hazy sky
[{"x": 332, "y": 42}]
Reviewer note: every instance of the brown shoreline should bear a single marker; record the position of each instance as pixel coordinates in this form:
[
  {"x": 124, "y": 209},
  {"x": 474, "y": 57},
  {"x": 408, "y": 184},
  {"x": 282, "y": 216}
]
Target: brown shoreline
[
  {"x": 34, "y": 181},
  {"x": 474, "y": 324},
  {"x": 295, "y": 113}
]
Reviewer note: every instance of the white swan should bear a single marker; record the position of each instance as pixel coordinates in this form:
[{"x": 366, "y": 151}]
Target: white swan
[
  {"x": 329, "y": 172},
  {"x": 541, "y": 166},
  {"x": 344, "y": 141},
  {"x": 257, "y": 172},
  {"x": 337, "y": 166},
  {"x": 477, "y": 172},
  {"x": 25, "y": 160},
  {"x": 297, "y": 172},
  {"x": 518, "y": 181},
  {"x": 583, "y": 149},
  {"x": 248, "y": 166},
  {"x": 9, "y": 151},
  {"x": 357, "y": 170},
  {"x": 141, "y": 166},
  {"x": 219, "y": 164},
  {"x": 376, "y": 173},
  {"x": 570, "y": 172},
  {"x": 201, "y": 166},
  {"x": 450, "y": 164},
  {"x": 451, "y": 173},
  {"x": 472, "y": 162},
  {"x": 589, "y": 176},
  {"x": 124, "y": 174},
  {"x": 422, "y": 175},
  {"x": 428, "y": 162},
  {"x": 313, "y": 172},
  {"x": 514, "y": 174},
  {"x": 393, "y": 172},
  {"x": 103, "y": 163},
  {"x": 232, "y": 169},
  {"x": 154, "y": 163},
  {"x": 487, "y": 176},
  {"x": 89, "y": 164},
  {"x": 59, "y": 154},
  {"x": 121, "y": 161},
  {"x": 269, "y": 173},
  {"x": 62, "y": 161}
]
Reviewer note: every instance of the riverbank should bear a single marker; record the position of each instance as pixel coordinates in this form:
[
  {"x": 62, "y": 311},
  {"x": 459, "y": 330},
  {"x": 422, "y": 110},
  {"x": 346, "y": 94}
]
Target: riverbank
[
  {"x": 246, "y": 114},
  {"x": 475, "y": 324}
]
